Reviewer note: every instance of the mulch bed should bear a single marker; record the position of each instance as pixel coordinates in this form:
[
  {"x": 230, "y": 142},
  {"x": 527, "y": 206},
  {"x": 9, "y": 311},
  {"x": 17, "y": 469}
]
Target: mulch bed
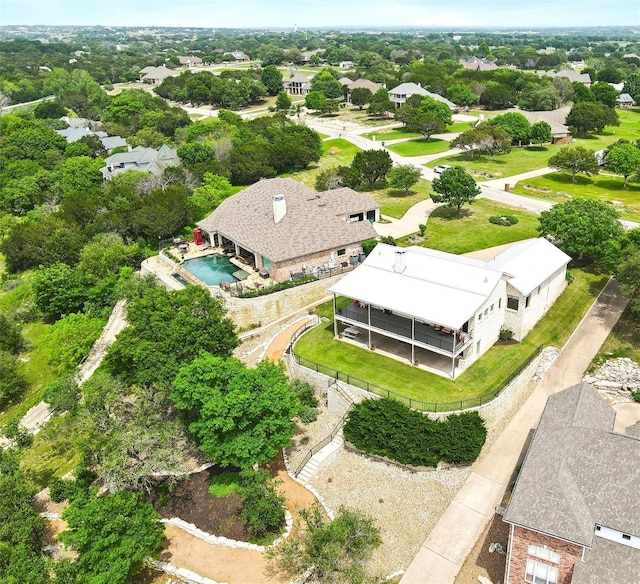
[{"x": 190, "y": 501}]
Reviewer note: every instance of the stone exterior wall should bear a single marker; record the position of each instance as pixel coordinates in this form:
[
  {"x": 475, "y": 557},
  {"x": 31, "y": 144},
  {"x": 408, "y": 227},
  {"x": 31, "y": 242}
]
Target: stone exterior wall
[
  {"x": 281, "y": 271},
  {"x": 521, "y": 538},
  {"x": 521, "y": 321},
  {"x": 266, "y": 309}
]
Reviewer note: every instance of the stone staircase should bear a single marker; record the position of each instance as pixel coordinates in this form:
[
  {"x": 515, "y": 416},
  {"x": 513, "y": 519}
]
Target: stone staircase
[{"x": 320, "y": 458}]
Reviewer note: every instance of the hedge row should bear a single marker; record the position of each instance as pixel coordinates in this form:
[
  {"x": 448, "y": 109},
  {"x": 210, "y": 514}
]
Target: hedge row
[
  {"x": 277, "y": 287},
  {"x": 388, "y": 428}
]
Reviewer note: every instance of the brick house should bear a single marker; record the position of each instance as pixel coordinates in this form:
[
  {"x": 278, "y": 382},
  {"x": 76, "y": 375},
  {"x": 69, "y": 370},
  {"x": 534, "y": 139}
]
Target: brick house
[
  {"x": 283, "y": 227},
  {"x": 574, "y": 513},
  {"x": 453, "y": 307}
]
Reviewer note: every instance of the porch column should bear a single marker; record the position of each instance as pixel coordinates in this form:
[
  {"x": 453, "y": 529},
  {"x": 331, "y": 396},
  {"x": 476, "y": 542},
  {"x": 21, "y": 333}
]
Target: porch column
[
  {"x": 413, "y": 340},
  {"x": 237, "y": 249},
  {"x": 453, "y": 365},
  {"x": 369, "y": 322},
  {"x": 335, "y": 322}
]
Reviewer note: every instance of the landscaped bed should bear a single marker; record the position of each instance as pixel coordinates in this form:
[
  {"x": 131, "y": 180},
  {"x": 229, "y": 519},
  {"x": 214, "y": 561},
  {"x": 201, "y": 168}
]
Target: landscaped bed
[{"x": 190, "y": 501}]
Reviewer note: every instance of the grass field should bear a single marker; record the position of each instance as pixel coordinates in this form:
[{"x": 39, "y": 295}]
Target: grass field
[
  {"x": 485, "y": 375},
  {"x": 336, "y": 152},
  {"x": 395, "y": 203},
  {"x": 448, "y": 231},
  {"x": 419, "y": 147},
  {"x": 558, "y": 187},
  {"x": 623, "y": 341}
]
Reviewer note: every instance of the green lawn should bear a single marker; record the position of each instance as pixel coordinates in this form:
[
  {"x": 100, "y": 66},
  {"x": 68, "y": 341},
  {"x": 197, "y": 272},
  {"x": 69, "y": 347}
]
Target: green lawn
[
  {"x": 521, "y": 160},
  {"x": 482, "y": 377},
  {"x": 448, "y": 231},
  {"x": 336, "y": 152},
  {"x": 420, "y": 147},
  {"x": 459, "y": 127},
  {"x": 391, "y": 135},
  {"x": 395, "y": 203},
  {"x": 623, "y": 341},
  {"x": 558, "y": 187}
]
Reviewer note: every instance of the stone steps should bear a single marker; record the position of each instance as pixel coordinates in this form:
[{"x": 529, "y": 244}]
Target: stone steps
[{"x": 320, "y": 458}]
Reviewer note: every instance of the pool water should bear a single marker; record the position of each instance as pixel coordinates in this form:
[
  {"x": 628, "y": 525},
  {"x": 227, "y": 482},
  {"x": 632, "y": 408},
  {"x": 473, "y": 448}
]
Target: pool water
[{"x": 211, "y": 269}]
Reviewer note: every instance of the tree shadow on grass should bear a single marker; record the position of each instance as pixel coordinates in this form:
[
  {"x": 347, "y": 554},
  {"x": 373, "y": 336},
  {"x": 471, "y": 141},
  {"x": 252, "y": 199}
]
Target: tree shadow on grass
[
  {"x": 451, "y": 213},
  {"x": 399, "y": 194}
]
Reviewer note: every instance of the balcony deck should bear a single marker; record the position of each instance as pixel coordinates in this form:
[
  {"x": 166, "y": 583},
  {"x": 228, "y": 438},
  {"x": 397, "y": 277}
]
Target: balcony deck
[{"x": 401, "y": 327}]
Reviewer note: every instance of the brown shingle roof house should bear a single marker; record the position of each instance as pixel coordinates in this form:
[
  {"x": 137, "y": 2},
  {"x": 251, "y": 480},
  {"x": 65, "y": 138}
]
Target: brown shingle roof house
[
  {"x": 282, "y": 226},
  {"x": 575, "y": 509}
]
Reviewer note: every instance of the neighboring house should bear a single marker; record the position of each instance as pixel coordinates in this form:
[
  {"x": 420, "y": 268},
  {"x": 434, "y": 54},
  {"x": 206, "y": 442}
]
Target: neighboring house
[
  {"x": 190, "y": 61},
  {"x": 236, "y": 56},
  {"x": 284, "y": 228},
  {"x": 156, "y": 75},
  {"x": 346, "y": 64},
  {"x": 80, "y": 122},
  {"x": 453, "y": 307},
  {"x": 399, "y": 95},
  {"x": 574, "y": 513},
  {"x": 297, "y": 85},
  {"x": 625, "y": 101},
  {"x": 360, "y": 83},
  {"x": 306, "y": 55},
  {"x": 141, "y": 159},
  {"x": 476, "y": 64},
  {"x": 555, "y": 118},
  {"x": 72, "y": 134},
  {"x": 571, "y": 75}
]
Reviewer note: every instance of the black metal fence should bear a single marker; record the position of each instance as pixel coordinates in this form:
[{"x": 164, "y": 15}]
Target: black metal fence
[{"x": 436, "y": 407}]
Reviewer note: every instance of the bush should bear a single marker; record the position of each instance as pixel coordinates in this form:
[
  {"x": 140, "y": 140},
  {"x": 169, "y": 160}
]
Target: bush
[
  {"x": 505, "y": 335},
  {"x": 367, "y": 246},
  {"x": 21, "y": 437},
  {"x": 505, "y": 220},
  {"x": 262, "y": 506},
  {"x": 636, "y": 395},
  {"x": 60, "y": 490},
  {"x": 62, "y": 394},
  {"x": 388, "y": 428},
  {"x": 309, "y": 415},
  {"x": 305, "y": 393},
  {"x": 224, "y": 484}
]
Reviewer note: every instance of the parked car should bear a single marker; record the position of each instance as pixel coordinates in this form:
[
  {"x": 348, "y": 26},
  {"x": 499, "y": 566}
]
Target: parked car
[{"x": 441, "y": 168}]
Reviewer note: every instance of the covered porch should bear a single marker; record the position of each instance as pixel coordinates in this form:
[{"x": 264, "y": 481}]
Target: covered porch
[{"x": 434, "y": 346}]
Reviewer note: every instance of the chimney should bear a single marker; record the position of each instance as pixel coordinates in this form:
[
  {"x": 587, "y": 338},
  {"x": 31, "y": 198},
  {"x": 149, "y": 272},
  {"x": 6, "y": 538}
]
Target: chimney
[
  {"x": 398, "y": 264},
  {"x": 279, "y": 208}
]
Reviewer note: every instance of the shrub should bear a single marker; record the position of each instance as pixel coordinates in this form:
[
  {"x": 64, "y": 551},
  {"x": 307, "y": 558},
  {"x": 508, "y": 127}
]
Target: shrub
[
  {"x": 61, "y": 490},
  {"x": 388, "y": 428},
  {"x": 277, "y": 287},
  {"x": 309, "y": 415},
  {"x": 505, "y": 335},
  {"x": 262, "y": 506},
  {"x": 505, "y": 220},
  {"x": 367, "y": 246},
  {"x": 62, "y": 394},
  {"x": 423, "y": 228},
  {"x": 636, "y": 395},
  {"x": 305, "y": 393},
  {"x": 224, "y": 484}
]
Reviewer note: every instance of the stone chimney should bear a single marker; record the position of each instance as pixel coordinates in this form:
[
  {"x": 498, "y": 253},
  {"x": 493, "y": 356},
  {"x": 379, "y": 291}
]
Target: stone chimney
[
  {"x": 399, "y": 261},
  {"x": 279, "y": 208}
]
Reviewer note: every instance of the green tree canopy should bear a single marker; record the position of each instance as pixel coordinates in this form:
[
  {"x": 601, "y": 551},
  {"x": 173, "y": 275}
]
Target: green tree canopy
[
  {"x": 582, "y": 227},
  {"x": 283, "y": 101},
  {"x": 113, "y": 535},
  {"x": 623, "y": 159},
  {"x": 271, "y": 78},
  {"x": 541, "y": 133},
  {"x": 628, "y": 274},
  {"x": 165, "y": 332},
  {"x": 372, "y": 165},
  {"x": 588, "y": 116},
  {"x": 361, "y": 96},
  {"x": 241, "y": 416},
  {"x": 12, "y": 382},
  {"x": 403, "y": 177},
  {"x": 514, "y": 124},
  {"x": 455, "y": 187},
  {"x": 575, "y": 159}
]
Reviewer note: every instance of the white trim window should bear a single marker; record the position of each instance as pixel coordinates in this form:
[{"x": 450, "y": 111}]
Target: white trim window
[
  {"x": 539, "y": 573},
  {"x": 544, "y": 553}
]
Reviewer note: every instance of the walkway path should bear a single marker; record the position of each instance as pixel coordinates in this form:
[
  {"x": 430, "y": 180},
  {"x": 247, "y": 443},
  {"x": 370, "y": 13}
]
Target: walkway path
[{"x": 443, "y": 553}]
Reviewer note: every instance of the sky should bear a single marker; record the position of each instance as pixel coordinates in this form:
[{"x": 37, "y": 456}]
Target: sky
[{"x": 323, "y": 13}]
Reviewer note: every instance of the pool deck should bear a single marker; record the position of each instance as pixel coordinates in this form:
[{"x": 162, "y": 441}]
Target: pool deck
[{"x": 165, "y": 267}]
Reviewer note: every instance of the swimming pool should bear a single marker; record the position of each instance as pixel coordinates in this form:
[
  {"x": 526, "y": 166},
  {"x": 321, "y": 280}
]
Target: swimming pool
[{"x": 211, "y": 269}]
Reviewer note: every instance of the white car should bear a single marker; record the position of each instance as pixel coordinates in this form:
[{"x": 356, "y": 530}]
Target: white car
[{"x": 441, "y": 168}]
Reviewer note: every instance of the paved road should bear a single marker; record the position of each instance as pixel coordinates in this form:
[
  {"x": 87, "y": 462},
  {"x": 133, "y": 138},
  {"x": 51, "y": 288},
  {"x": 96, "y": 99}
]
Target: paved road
[{"x": 445, "y": 550}]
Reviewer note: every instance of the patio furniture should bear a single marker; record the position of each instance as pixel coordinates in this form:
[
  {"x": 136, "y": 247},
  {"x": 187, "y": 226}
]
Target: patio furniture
[{"x": 351, "y": 332}]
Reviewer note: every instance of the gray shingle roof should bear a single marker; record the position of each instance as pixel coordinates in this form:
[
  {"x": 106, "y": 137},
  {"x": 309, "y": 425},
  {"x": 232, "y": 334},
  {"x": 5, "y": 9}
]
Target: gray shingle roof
[
  {"x": 312, "y": 222},
  {"x": 608, "y": 562},
  {"x": 578, "y": 472},
  {"x": 625, "y": 98}
]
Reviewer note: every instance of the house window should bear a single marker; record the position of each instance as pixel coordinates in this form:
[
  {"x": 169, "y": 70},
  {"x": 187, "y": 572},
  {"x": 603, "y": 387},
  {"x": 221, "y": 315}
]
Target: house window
[
  {"x": 480, "y": 316},
  {"x": 527, "y": 300},
  {"x": 544, "y": 553},
  {"x": 499, "y": 303},
  {"x": 513, "y": 303},
  {"x": 342, "y": 252},
  {"x": 539, "y": 573},
  {"x": 492, "y": 308},
  {"x": 478, "y": 348},
  {"x": 486, "y": 312}
]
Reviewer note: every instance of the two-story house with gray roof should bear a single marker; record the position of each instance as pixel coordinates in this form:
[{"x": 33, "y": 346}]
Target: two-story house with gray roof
[
  {"x": 574, "y": 513},
  {"x": 282, "y": 227}
]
